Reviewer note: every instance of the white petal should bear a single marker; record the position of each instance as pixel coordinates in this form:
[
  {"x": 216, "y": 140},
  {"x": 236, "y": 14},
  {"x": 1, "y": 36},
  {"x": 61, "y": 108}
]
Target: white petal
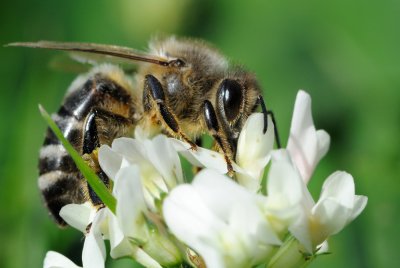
[
  {"x": 301, "y": 230},
  {"x": 284, "y": 181},
  {"x": 305, "y": 144},
  {"x": 202, "y": 157},
  {"x": 282, "y": 156},
  {"x": 247, "y": 221},
  {"x": 254, "y": 147},
  {"x": 193, "y": 223},
  {"x": 130, "y": 201},
  {"x": 109, "y": 161},
  {"x": 119, "y": 244},
  {"x": 339, "y": 186},
  {"x": 78, "y": 215},
  {"x": 94, "y": 251},
  {"x": 131, "y": 149},
  {"x": 164, "y": 157},
  {"x": 323, "y": 143},
  {"x": 323, "y": 248},
  {"x": 93, "y": 254},
  {"x": 330, "y": 217},
  {"x": 247, "y": 179},
  {"x": 56, "y": 260},
  {"x": 187, "y": 216},
  {"x": 219, "y": 192},
  {"x": 360, "y": 202},
  {"x": 334, "y": 209},
  {"x": 144, "y": 259},
  {"x": 212, "y": 258}
]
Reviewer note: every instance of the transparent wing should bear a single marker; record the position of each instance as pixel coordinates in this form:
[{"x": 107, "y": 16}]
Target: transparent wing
[
  {"x": 90, "y": 52},
  {"x": 66, "y": 64},
  {"x": 71, "y": 63}
]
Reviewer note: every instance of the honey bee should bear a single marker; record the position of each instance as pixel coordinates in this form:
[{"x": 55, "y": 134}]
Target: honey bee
[{"x": 183, "y": 88}]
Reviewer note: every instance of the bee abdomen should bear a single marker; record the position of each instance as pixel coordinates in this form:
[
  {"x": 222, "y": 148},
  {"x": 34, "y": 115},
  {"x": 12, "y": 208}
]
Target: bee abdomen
[
  {"x": 59, "y": 189},
  {"x": 53, "y": 157}
]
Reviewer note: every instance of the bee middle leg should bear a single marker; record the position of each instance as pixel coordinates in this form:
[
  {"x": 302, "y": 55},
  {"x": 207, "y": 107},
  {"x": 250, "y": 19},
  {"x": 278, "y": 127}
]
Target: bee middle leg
[
  {"x": 100, "y": 126},
  {"x": 154, "y": 90}
]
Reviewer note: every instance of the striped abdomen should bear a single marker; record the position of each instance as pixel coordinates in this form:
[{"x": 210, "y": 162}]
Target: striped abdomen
[{"x": 96, "y": 110}]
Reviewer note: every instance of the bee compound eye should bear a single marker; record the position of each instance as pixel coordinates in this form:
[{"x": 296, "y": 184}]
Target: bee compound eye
[{"x": 231, "y": 93}]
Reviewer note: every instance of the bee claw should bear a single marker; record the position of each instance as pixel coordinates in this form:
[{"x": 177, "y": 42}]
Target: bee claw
[
  {"x": 193, "y": 146},
  {"x": 88, "y": 228}
]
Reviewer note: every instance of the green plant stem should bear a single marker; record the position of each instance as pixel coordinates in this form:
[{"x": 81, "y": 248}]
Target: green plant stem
[{"x": 291, "y": 255}]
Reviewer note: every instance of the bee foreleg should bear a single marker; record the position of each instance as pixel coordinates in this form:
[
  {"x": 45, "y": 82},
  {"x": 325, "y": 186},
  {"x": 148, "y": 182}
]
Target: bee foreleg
[
  {"x": 213, "y": 126},
  {"x": 266, "y": 113},
  {"x": 154, "y": 90},
  {"x": 277, "y": 139}
]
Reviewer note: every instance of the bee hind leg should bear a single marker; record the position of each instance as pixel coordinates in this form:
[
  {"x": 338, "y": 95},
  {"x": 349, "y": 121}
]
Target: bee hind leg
[
  {"x": 154, "y": 90},
  {"x": 100, "y": 126},
  {"x": 91, "y": 143}
]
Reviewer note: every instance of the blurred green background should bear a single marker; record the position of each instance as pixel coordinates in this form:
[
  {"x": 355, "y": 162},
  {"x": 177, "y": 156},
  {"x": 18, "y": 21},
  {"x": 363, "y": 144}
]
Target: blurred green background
[{"x": 344, "y": 53}]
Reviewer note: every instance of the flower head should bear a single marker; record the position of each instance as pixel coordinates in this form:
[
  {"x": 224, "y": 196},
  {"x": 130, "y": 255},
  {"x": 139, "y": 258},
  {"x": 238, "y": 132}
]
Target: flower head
[
  {"x": 315, "y": 222},
  {"x": 218, "y": 221}
]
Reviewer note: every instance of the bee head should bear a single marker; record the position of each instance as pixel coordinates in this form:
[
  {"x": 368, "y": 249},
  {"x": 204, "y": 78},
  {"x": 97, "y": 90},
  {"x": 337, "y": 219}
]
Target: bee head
[{"x": 237, "y": 97}]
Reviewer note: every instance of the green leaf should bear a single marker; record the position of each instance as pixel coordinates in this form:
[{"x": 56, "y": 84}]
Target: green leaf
[{"x": 94, "y": 181}]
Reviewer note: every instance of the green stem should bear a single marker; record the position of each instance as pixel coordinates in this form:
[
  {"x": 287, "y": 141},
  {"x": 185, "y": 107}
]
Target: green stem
[
  {"x": 291, "y": 255},
  {"x": 94, "y": 181}
]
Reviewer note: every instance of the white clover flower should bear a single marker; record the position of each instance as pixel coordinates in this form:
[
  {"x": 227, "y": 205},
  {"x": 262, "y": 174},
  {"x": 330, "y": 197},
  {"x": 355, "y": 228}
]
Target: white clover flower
[
  {"x": 315, "y": 222},
  {"x": 306, "y": 145},
  {"x": 228, "y": 222},
  {"x": 337, "y": 206},
  {"x": 221, "y": 220}
]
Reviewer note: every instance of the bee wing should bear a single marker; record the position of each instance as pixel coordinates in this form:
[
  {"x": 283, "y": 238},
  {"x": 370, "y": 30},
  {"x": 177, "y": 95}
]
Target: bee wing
[
  {"x": 82, "y": 63},
  {"x": 66, "y": 64},
  {"x": 86, "y": 51}
]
